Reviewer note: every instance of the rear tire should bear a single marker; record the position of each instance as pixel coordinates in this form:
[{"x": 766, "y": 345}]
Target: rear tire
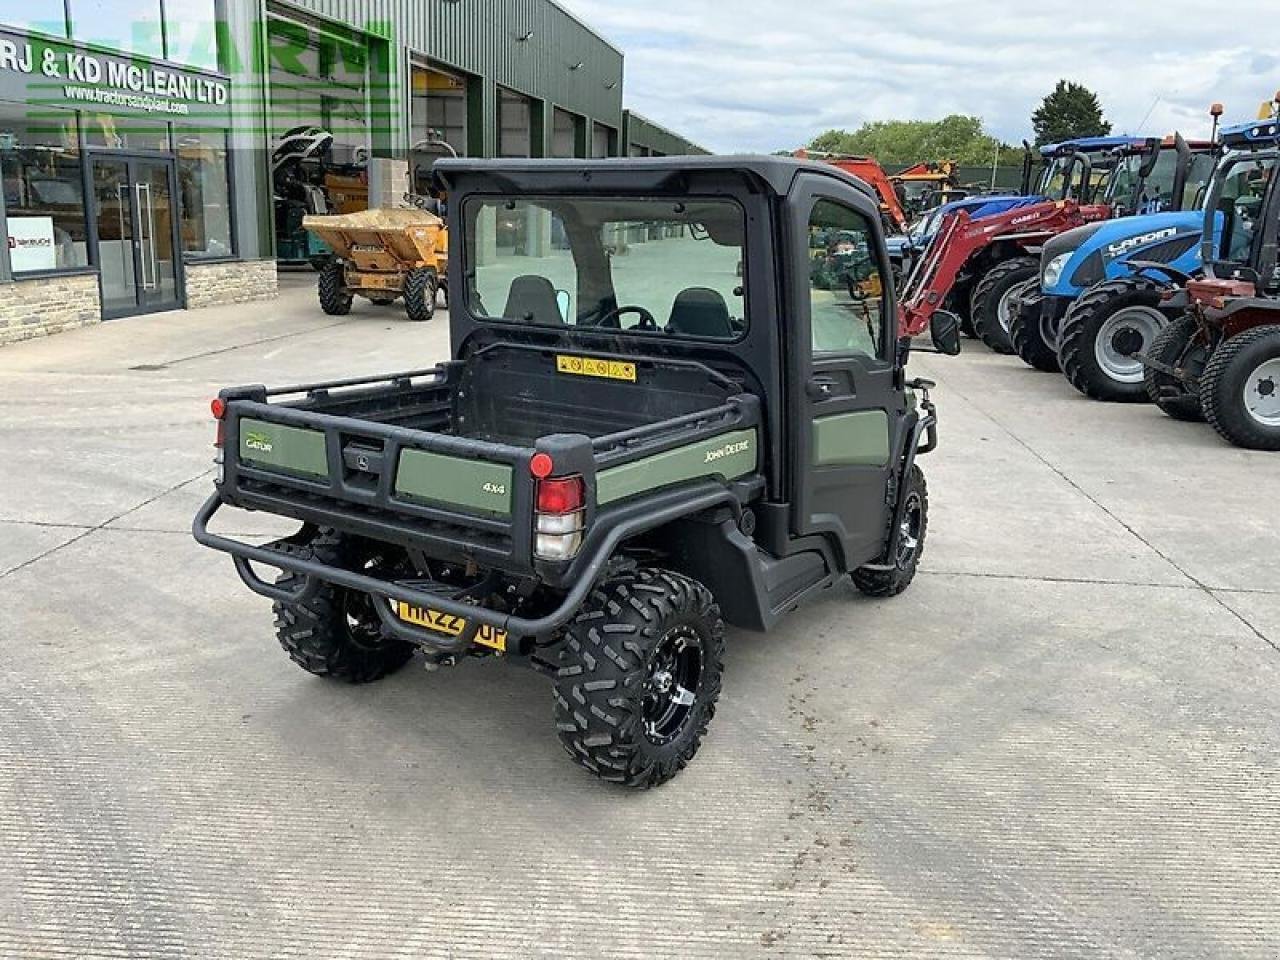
[
  {"x": 915, "y": 527},
  {"x": 335, "y": 299},
  {"x": 1240, "y": 389},
  {"x": 1026, "y": 333},
  {"x": 1110, "y": 323},
  {"x": 335, "y": 632},
  {"x": 992, "y": 313},
  {"x": 1174, "y": 348},
  {"x": 420, "y": 295},
  {"x": 639, "y": 676}
]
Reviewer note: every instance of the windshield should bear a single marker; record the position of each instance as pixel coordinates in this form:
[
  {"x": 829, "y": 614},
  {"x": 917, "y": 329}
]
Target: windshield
[
  {"x": 1054, "y": 184},
  {"x": 1239, "y": 194},
  {"x": 648, "y": 267}
]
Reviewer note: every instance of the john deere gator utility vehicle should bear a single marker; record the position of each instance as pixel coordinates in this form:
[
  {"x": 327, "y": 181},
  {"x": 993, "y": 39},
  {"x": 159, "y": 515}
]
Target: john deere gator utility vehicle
[
  {"x": 978, "y": 264},
  {"x": 1110, "y": 274},
  {"x": 631, "y": 445},
  {"x": 1220, "y": 358}
]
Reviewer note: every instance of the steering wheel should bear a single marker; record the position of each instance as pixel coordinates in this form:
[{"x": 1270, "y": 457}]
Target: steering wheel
[{"x": 647, "y": 319}]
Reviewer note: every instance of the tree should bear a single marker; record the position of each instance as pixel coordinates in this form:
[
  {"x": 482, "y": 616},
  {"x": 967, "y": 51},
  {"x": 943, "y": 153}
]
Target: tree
[
  {"x": 903, "y": 142},
  {"x": 1071, "y": 111}
]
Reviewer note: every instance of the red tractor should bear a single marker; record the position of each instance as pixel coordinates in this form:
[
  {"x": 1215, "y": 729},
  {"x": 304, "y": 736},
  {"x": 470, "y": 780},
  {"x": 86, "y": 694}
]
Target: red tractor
[
  {"x": 1220, "y": 360},
  {"x": 973, "y": 267}
]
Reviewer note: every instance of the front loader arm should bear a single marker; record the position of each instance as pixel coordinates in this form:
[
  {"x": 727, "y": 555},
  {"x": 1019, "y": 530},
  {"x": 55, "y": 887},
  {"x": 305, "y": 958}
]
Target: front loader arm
[{"x": 932, "y": 282}]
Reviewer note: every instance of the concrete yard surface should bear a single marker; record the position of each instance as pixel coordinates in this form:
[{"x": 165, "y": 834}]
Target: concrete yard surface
[{"x": 1063, "y": 741}]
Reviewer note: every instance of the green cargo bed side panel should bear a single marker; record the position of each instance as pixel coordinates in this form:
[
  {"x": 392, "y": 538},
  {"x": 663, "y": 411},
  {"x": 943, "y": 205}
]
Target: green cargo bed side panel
[
  {"x": 852, "y": 439},
  {"x": 728, "y": 457},
  {"x": 287, "y": 449},
  {"x": 474, "y": 485}
]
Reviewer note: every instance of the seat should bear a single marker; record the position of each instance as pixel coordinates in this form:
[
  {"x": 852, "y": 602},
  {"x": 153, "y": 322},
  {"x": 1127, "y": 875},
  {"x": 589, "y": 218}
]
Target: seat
[
  {"x": 532, "y": 299},
  {"x": 701, "y": 312}
]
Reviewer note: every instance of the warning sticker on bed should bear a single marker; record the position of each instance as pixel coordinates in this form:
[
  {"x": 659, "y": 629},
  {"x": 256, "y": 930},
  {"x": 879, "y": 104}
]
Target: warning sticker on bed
[{"x": 594, "y": 367}]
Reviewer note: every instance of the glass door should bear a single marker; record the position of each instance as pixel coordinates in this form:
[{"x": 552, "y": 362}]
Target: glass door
[{"x": 135, "y": 226}]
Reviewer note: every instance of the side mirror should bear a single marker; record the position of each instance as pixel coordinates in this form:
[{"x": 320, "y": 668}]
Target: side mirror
[
  {"x": 945, "y": 332},
  {"x": 564, "y": 302}
]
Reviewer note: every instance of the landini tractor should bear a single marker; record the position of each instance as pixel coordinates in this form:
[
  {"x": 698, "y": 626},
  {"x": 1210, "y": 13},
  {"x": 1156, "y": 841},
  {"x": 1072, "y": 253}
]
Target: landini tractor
[
  {"x": 977, "y": 264},
  {"x": 1110, "y": 274},
  {"x": 1220, "y": 359},
  {"x": 625, "y": 451}
]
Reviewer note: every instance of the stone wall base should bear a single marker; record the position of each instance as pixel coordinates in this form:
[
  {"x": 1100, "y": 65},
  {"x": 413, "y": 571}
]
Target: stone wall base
[
  {"x": 37, "y": 308},
  {"x": 213, "y": 284}
]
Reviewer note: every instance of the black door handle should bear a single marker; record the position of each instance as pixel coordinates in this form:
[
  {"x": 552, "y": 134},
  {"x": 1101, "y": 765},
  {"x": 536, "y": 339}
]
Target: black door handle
[{"x": 821, "y": 388}]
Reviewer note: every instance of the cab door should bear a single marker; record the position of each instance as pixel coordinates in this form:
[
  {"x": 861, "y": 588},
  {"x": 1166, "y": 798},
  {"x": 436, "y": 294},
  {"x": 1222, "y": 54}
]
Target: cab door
[{"x": 845, "y": 389}]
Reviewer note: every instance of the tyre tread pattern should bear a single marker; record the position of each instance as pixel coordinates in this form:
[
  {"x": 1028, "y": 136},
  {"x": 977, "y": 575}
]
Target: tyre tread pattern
[
  {"x": 891, "y": 583},
  {"x": 1168, "y": 348},
  {"x": 986, "y": 300},
  {"x": 420, "y": 295},
  {"x": 602, "y": 672},
  {"x": 1222, "y": 408},
  {"x": 334, "y": 298},
  {"x": 1027, "y": 336}
]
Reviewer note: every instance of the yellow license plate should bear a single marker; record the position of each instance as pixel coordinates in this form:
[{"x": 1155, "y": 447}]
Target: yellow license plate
[
  {"x": 450, "y": 625},
  {"x": 594, "y": 367}
]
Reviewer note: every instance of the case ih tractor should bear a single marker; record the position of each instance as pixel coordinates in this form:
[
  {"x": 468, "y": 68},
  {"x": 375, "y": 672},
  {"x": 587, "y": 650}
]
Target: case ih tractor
[
  {"x": 1220, "y": 359},
  {"x": 1107, "y": 273},
  {"x": 975, "y": 265}
]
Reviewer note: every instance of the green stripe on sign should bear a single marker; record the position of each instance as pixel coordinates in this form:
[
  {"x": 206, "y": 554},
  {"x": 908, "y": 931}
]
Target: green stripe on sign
[
  {"x": 287, "y": 449},
  {"x": 852, "y": 439},
  {"x": 727, "y": 457},
  {"x": 473, "y": 485}
]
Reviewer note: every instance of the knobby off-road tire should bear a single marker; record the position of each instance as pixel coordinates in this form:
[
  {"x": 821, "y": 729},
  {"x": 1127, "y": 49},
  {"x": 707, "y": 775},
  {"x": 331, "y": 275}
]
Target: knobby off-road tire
[
  {"x": 335, "y": 299},
  {"x": 915, "y": 527},
  {"x": 335, "y": 632},
  {"x": 1026, "y": 333},
  {"x": 644, "y": 643},
  {"x": 420, "y": 295},
  {"x": 1105, "y": 327},
  {"x": 1174, "y": 348},
  {"x": 990, "y": 309},
  {"x": 1240, "y": 389}
]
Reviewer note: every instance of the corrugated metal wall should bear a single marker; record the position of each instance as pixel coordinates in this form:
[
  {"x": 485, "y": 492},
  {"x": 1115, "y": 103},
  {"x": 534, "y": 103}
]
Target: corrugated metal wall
[
  {"x": 642, "y": 135},
  {"x": 481, "y": 38}
]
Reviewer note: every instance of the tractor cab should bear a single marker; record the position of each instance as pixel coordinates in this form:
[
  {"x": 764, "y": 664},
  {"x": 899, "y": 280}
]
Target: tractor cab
[{"x": 1242, "y": 210}]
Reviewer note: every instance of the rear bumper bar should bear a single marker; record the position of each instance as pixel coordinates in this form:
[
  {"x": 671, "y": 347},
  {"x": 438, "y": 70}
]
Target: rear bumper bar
[{"x": 600, "y": 546}]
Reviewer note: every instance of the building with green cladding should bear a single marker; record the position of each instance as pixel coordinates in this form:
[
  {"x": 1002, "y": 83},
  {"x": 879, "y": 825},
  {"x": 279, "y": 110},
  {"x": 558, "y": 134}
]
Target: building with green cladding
[{"x": 159, "y": 154}]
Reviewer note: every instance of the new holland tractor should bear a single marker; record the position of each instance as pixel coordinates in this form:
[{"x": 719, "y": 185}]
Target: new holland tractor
[
  {"x": 1094, "y": 302},
  {"x": 978, "y": 260},
  {"x": 1220, "y": 358}
]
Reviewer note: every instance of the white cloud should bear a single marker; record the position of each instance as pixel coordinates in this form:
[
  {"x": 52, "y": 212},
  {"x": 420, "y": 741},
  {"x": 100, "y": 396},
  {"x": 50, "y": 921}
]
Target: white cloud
[{"x": 758, "y": 76}]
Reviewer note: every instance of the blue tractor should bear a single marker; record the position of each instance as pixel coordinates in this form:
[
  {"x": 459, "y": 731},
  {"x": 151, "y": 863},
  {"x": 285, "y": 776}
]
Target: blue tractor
[{"x": 1098, "y": 304}]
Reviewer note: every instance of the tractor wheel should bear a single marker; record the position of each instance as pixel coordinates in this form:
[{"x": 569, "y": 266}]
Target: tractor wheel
[
  {"x": 335, "y": 298},
  {"x": 915, "y": 526},
  {"x": 420, "y": 295},
  {"x": 1026, "y": 333},
  {"x": 1240, "y": 389},
  {"x": 957, "y": 302},
  {"x": 1176, "y": 347},
  {"x": 1104, "y": 333},
  {"x": 993, "y": 300},
  {"x": 335, "y": 632},
  {"x": 638, "y": 678}
]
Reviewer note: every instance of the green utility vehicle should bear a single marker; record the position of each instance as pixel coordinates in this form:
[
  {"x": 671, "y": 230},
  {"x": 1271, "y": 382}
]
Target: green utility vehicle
[{"x": 654, "y": 422}]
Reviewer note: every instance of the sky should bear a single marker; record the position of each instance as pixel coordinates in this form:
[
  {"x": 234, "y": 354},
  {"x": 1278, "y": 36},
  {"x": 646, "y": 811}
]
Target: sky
[{"x": 762, "y": 75}]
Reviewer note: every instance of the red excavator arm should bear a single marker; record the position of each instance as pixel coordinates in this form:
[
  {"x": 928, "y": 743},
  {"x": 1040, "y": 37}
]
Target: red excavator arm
[{"x": 961, "y": 238}]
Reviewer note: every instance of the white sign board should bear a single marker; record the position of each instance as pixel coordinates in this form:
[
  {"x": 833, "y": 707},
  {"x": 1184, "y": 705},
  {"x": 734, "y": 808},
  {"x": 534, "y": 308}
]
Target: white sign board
[{"x": 31, "y": 245}]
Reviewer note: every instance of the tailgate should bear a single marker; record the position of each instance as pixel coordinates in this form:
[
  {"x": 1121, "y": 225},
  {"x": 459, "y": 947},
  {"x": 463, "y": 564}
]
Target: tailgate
[{"x": 383, "y": 481}]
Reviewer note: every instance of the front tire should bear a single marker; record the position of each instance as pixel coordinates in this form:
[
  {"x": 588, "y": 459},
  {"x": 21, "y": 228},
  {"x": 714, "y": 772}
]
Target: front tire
[
  {"x": 420, "y": 295},
  {"x": 335, "y": 632},
  {"x": 335, "y": 298},
  {"x": 906, "y": 561},
  {"x": 1103, "y": 333},
  {"x": 639, "y": 676},
  {"x": 1175, "y": 347},
  {"x": 1240, "y": 389},
  {"x": 992, "y": 309},
  {"x": 1026, "y": 333}
]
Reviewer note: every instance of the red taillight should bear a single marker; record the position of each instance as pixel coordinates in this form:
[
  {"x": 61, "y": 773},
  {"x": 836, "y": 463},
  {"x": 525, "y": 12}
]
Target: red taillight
[
  {"x": 561, "y": 495},
  {"x": 541, "y": 466},
  {"x": 219, "y": 410}
]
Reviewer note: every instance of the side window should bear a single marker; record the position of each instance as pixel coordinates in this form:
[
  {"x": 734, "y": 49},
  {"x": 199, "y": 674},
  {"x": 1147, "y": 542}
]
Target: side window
[{"x": 846, "y": 291}]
